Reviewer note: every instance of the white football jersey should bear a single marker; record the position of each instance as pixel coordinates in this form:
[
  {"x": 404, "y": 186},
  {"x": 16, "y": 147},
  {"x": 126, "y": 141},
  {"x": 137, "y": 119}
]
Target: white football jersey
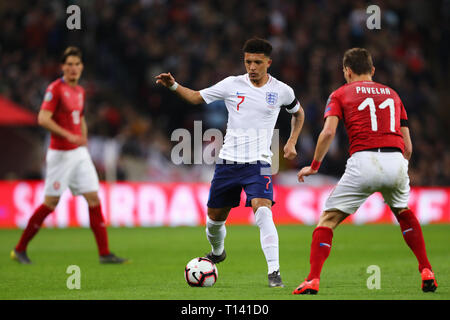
[{"x": 252, "y": 115}]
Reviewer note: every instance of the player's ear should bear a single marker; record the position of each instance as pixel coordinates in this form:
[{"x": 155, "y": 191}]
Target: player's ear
[
  {"x": 269, "y": 62},
  {"x": 350, "y": 72},
  {"x": 346, "y": 72},
  {"x": 373, "y": 71}
]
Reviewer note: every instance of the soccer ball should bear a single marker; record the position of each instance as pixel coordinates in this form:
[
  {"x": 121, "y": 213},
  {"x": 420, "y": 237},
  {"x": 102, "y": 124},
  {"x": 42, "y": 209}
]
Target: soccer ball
[{"x": 200, "y": 272}]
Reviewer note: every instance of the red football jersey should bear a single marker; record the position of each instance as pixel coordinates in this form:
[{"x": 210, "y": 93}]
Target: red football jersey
[
  {"x": 67, "y": 103},
  {"x": 371, "y": 113}
]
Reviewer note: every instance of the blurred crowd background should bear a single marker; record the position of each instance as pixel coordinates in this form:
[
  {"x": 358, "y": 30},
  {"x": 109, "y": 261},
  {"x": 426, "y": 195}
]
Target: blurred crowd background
[{"x": 126, "y": 43}]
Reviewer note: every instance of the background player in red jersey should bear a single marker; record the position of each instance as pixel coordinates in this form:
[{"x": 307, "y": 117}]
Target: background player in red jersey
[
  {"x": 380, "y": 147},
  {"x": 68, "y": 161}
]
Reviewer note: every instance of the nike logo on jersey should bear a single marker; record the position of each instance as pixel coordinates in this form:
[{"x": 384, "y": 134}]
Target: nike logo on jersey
[{"x": 239, "y": 93}]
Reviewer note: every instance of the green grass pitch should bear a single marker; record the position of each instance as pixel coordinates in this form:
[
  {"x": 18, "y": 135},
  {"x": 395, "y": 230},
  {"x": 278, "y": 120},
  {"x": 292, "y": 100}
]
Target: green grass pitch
[{"x": 159, "y": 256}]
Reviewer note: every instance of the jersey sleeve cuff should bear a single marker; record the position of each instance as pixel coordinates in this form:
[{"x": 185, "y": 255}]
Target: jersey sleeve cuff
[
  {"x": 205, "y": 96},
  {"x": 332, "y": 115}
]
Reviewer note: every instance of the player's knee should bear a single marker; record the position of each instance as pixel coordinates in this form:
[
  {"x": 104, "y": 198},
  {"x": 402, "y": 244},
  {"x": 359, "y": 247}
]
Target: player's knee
[
  {"x": 258, "y": 203},
  {"x": 218, "y": 214},
  {"x": 397, "y": 211},
  {"x": 51, "y": 202},
  {"x": 331, "y": 219},
  {"x": 92, "y": 199},
  {"x": 93, "y": 202}
]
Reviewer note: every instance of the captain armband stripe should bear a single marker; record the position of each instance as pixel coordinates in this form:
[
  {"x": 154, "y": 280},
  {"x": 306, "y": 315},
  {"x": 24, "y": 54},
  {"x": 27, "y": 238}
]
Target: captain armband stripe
[
  {"x": 403, "y": 122},
  {"x": 293, "y": 107}
]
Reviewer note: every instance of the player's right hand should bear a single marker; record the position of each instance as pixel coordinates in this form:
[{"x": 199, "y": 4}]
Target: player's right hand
[
  {"x": 289, "y": 151},
  {"x": 166, "y": 79},
  {"x": 304, "y": 172}
]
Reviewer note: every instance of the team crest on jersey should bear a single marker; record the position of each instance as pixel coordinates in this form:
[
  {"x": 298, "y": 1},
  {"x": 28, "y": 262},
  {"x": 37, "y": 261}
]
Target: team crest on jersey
[
  {"x": 56, "y": 185},
  {"x": 48, "y": 96},
  {"x": 327, "y": 108},
  {"x": 271, "y": 98}
]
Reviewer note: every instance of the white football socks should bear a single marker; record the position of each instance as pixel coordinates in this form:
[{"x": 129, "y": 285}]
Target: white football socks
[
  {"x": 269, "y": 238},
  {"x": 216, "y": 232}
]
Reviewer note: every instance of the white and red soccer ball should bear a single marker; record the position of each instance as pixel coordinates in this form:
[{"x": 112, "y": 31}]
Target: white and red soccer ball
[{"x": 200, "y": 272}]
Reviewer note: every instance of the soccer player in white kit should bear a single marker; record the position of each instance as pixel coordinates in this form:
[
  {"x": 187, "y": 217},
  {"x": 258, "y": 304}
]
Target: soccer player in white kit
[
  {"x": 253, "y": 101},
  {"x": 69, "y": 164}
]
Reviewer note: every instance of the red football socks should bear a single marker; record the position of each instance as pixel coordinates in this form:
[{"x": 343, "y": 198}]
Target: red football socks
[
  {"x": 320, "y": 250},
  {"x": 412, "y": 233},
  {"x": 33, "y": 226},
  {"x": 98, "y": 227}
]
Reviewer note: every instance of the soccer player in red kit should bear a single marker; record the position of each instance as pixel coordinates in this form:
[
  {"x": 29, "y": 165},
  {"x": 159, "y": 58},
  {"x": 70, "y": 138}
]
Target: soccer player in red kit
[
  {"x": 68, "y": 161},
  {"x": 380, "y": 147}
]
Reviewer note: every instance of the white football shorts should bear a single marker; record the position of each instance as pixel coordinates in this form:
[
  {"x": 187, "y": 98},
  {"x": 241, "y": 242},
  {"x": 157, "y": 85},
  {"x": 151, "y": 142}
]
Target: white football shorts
[
  {"x": 70, "y": 168},
  {"x": 367, "y": 172}
]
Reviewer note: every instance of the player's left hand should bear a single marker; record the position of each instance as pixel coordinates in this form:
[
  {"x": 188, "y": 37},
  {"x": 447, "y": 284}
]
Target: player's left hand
[
  {"x": 304, "y": 172},
  {"x": 289, "y": 151}
]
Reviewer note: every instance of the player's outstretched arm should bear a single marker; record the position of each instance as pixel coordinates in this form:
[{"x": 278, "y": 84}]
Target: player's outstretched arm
[
  {"x": 296, "y": 127},
  {"x": 323, "y": 144},
  {"x": 168, "y": 81}
]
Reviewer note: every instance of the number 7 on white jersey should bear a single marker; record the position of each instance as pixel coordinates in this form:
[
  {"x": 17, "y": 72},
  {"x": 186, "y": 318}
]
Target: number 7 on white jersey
[{"x": 242, "y": 100}]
